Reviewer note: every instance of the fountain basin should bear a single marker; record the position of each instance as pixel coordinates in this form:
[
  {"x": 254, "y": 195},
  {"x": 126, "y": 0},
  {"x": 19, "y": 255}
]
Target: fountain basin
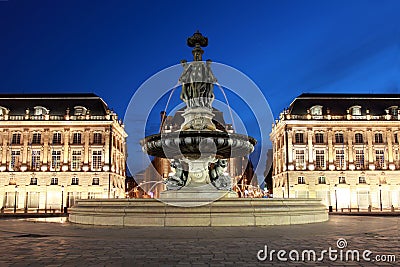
[{"x": 193, "y": 144}]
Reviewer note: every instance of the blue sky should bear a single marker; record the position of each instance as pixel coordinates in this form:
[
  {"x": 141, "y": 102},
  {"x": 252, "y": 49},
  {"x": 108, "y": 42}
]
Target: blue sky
[{"x": 285, "y": 47}]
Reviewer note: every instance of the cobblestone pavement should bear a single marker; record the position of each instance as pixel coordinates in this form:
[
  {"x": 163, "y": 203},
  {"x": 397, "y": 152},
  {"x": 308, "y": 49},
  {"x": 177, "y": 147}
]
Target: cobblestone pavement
[{"x": 54, "y": 244}]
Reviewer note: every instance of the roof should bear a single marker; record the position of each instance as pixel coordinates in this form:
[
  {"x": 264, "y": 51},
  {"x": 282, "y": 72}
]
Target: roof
[
  {"x": 57, "y": 104},
  {"x": 338, "y": 104}
]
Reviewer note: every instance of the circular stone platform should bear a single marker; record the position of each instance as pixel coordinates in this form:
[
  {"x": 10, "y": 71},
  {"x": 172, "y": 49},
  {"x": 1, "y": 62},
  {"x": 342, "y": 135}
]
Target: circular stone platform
[{"x": 223, "y": 212}]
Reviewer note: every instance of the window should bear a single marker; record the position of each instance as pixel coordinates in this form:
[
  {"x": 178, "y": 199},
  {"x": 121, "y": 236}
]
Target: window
[
  {"x": 359, "y": 138},
  {"x": 96, "y": 181},
  {"x": 319, "y": 138},
  {"x": 54, "y": 181},
  {"x": 356, "y": 110},
  {"x": 379, "y": 158},
  {"x": 76, "y": 160},
  {"x": 75, "y": 181},
  {"x": 320, "y": 159},
  {"x": 14, "y": 159},
  {"x": 77, "y": 139},
  {"x": 35, "y": 160},
  {"x": 16, "y": 139},
  {"x": 56, "y": 159},
  {"x": 97, "y": 138},
  {"x": 396, "y": 140},
  {"x": 378, "y": 138},
  {"x": 359, "y": 159},
  {"x": 300, "y": 180},
  {"x": 321, "y": 180},
  {"x": 96, "y": 160},
  {"x": 339, "y": 159},
  {"x": 361, "y": 180},
  {"x": 79, "y": 111},
  {"x": 316, "y": 110},
  {"x": 339, "y": 138},
  {"x": 36, "y": 139},
  {"x": 40, "y": 111},
  {"x": 33, "y": 181},
  {"x": 299, "y": 138},
  {"x": 342, "y": 180},
  {"x": 56, "y": 138},
  {"x": 393, "y": 110},
  {"x": 300, "y": 160}
]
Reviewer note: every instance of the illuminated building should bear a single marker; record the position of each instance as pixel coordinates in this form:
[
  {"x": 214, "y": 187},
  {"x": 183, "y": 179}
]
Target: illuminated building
[
  {"x": 342, "y": 148},
  {"x": 56, "y": 148}
]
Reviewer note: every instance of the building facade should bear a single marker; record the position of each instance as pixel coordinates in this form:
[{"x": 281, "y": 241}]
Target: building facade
[
  {"x": 341, "y": 148},
  {"x": 56, "y": 148}
]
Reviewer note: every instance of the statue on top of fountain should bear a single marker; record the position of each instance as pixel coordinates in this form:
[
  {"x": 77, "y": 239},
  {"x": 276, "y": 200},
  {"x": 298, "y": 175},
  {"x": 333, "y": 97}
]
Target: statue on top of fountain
[{"x": 197, "y": 77}]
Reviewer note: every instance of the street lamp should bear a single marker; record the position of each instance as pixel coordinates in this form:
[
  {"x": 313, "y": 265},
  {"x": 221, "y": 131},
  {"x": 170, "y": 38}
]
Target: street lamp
[
  {"x": 15, "y": 198},
  {"x": 380, "y": 196},
  {"x": 336, "y": 197},
  {"x": 283, "y": 192},
  {"x": 62, "y": 199}
]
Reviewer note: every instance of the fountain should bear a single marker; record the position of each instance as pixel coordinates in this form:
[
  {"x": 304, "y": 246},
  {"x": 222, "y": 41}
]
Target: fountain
[
  {"x": 198, "y": 150},
  {"x": 199, "y": 192}
]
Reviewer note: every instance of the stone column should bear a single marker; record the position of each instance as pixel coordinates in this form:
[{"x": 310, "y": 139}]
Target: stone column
[
  {"x": 330, "y": 150},
  {"x": 390, "y": 149},
  {"x": 46, "y": 156},
  {"x": 5, "y": 145},
  {"x": 310, "y": 150},
  {"x": 86, "y": 149},
  {"x": 370, "y": 150},
  {"x": 107, "y": 147},
  {"x": 290, "y": 147},
  {"x": 25, "y": 148},
  {"x": 350, "y": 149}
]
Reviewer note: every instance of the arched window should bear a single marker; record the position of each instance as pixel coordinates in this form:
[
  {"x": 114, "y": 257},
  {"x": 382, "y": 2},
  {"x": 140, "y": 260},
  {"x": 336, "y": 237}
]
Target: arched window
[
  {"x": 359, "y": 138},
  {"x": 79, "y": 110},
  {"x": 316, "y": 110},
  {"x": 3, "y": 111},
  {"x": 355, "y": 110},
  {"x": 39, "y": 110}
]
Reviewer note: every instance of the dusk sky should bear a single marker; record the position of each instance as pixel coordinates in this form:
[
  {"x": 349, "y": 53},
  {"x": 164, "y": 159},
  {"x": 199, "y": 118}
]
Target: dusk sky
[{"x": 285, "y": 47}]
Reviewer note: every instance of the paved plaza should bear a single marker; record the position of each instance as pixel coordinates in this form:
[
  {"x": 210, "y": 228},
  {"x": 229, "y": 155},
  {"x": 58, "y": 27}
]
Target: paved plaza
[{"x": 63, "y": 244}]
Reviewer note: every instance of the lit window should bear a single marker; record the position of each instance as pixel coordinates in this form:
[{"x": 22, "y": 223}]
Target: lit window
[
  {"x": 361, "y": 180},
  {"x": 15, "y": 154},
  {"x": 300, "y": 160},
  {"x": 316, "y": 110},
  {"x": 54, "y": 181},
  {"x": 319, "y": 138},
  {"x": 16, "y": 139},
  {"x": 33, "y": 181},
  {"x": 75, "y": 181},
  {"x": 342, "y": 180},
  {"x": 96, "y": 181},
  {"x": 320, "y": 159},
  {"x": 378, "y": 138},
  {"x": 359, "y": 159},
  {"x": 77, "y": 139},
  {"x": 321, "y": 180},
  {"x": 76, "y": 160},
  {"x": 300, "y": 180},
  {"x": 56, "y": 138},
  {"x": 97, "y": 138},
  {"x": 299, "y": 138},
  {"x": 339, "y": 163},
  {"x": 36, "y": 138},
  {"x": 96, "y": 160},
  {"x": 35, "y": 160},
  {"x": 379, "y": 159},
  {"x": 339, "y": 138},
  {"x": 56, "y": 159},
  {"x": 356, "y": 110}
]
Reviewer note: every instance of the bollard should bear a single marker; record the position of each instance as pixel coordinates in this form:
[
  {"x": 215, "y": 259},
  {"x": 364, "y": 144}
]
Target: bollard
[{"x": 330, "y": 209}]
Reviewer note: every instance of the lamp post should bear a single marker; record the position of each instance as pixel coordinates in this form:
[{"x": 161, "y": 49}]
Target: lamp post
[
  {"x": 283, "y": 192},
  {"x": 335, "y": 198},
  {"x": 62, "y": 199},
  {"x": 380, "y": 196},
  {"x": 15, "y": 198}
]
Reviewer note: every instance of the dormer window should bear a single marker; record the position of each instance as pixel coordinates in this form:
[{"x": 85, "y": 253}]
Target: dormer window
[
  {"x": 356, "y": 110},
  {"x": 393, "y": 110},
  {"x": 39, "y": 110},
  {"x": 79, "y": 110},
  {"x": 316, "y": 110},
  {"x": 3, "y": 111}
]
